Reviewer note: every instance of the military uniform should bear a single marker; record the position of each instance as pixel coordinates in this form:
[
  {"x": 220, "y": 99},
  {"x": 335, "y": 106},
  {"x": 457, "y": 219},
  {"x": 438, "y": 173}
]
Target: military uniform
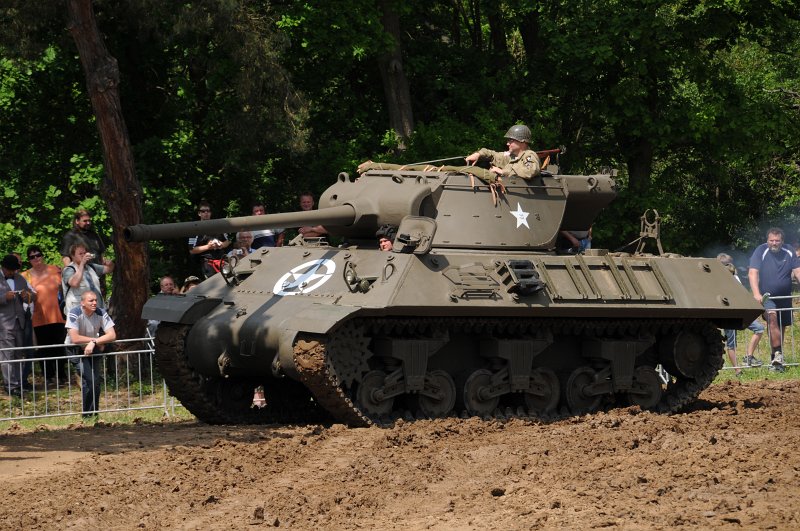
[{"x": 526, "y": 165}]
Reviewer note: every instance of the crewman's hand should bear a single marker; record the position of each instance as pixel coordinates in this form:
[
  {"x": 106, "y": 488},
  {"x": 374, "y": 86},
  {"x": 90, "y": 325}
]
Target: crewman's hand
[{"x": 472, "y": 159}]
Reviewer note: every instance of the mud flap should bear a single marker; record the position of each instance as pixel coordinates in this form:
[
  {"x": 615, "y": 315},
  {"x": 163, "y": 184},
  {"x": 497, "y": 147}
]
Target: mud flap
[{"x": 318, "y": 319}]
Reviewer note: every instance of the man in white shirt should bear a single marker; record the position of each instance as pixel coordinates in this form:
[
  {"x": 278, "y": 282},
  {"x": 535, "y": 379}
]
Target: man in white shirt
[{"x": 89, "y": 329}]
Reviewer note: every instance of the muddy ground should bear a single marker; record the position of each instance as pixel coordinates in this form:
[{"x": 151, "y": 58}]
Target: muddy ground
[{"x": 730, "y": 461}]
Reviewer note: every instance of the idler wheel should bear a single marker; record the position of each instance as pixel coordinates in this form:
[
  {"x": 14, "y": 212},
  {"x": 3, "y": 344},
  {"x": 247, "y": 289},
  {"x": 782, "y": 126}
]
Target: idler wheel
[
  {"x": 543, "y": 396},
  {"x": 647, "y": 390},
  {"x": 689, "y": 353},
  {"x": 475, "y": 391},
  {"x": 439, "y": 395},
  {"x": 369, "y": 397},
  {"x": 578, "y": 398}
]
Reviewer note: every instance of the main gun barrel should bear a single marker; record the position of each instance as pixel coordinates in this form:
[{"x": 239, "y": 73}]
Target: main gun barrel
[{"x": 337, "y": 216}]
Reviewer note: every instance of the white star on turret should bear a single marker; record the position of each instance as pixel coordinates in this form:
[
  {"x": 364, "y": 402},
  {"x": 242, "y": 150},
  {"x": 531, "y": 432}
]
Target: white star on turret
[{"x": 522, "y": 217}]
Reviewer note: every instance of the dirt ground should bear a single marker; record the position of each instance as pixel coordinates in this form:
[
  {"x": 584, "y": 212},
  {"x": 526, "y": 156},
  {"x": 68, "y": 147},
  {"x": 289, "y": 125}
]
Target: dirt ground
[{"x": 730, "y": 461}]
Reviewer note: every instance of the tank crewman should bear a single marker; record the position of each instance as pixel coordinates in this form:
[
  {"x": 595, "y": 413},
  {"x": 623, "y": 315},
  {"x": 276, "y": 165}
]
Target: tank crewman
[{"x": 518, "y": 161}]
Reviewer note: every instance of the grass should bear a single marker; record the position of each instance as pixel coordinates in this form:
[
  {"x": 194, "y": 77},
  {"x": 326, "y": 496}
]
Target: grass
[
  {"x": 61, "y": 407},
  {"x": 753, "y": 374},
  {"x": 130, "y": 417}
]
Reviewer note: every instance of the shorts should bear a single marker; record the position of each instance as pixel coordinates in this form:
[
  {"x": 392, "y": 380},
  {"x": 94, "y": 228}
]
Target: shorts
[
  {"x": 730, "y": 339},
  {"x": 783, "y": 307},
  {"x": 730, "y": 335}
]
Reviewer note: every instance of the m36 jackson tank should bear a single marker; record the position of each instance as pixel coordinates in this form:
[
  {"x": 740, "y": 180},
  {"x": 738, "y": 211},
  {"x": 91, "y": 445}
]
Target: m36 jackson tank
[{"x": 471, "y": 313}]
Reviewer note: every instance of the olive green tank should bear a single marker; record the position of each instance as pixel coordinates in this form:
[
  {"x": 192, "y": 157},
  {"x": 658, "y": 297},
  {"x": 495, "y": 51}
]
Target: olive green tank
[{"x": 471, "y": 313}]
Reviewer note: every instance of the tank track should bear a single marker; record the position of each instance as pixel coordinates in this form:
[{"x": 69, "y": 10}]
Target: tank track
[
  {"x": 317, "y": 362},
  {"x": 228, "y": 400}
]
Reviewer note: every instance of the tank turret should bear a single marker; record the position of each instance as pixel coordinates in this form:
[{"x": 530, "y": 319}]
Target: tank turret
[
  {"x": 471, "y": 312},
  {"x": 526, "y": 215}
]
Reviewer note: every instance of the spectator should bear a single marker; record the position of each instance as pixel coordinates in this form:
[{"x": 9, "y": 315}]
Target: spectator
[
  {"x": 167, "y": 285},
  {"x": 189, "y": 284},
  {"x": 578, "y": 240},
  {"x": 730, "y": 335},
  {"x": 208, "y": 247},
  {"x": 772, "y": 266},
  {"x": 518, "y": 161},
  {"x": 307, "y": 204},
  {"x": 82, "y": 232},
  {"x": 27, "y": 334},
  {"x": 13, "y": 293},
  {"x": 89, "y": 329},
  {"x": 48, "y": 323},
  {"x": 266, "y": 237},
  {"x": 81, "y": 275},
  {"x": 243, "y": 245}
]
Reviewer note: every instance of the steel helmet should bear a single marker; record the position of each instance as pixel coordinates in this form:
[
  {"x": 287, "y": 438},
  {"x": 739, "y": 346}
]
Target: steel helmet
[{"x": 520, "y": 133}]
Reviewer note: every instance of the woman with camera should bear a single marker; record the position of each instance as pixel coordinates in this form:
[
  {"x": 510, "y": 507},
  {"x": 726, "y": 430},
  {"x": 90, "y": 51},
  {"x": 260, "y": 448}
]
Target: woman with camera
[{"x": 81, "y": 276}]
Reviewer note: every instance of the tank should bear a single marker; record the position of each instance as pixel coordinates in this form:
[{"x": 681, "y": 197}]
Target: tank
[{"x": 471, "y": 313}]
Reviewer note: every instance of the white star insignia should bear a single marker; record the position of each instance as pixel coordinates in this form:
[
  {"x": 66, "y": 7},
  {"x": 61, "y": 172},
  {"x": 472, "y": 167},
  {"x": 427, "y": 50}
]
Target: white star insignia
[
  {"x": 522, "y": 217},
  {"x": 305, "y": 278}
]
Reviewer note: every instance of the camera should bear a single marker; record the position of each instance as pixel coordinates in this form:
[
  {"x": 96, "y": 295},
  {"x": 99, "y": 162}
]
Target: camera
[{"x": 89, "y": 256}]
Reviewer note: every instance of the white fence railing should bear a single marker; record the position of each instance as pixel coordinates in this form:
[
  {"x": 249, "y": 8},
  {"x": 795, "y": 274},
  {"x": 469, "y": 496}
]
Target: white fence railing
[
  {"x": 128, "y": 380},
  {"x": 763, "y": 351}
]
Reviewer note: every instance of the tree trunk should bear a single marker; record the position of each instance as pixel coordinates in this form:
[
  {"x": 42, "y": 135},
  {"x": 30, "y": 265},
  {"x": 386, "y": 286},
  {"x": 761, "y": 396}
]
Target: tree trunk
[
  {"x": 120, "y": 187},
  {"x": 395, "y": 83},
  {"x": 475, "y": 29},
  {"x": 640, "y": 164},
  {"x": 532, "y": 41},
  {"x": 497, "y": 30}
]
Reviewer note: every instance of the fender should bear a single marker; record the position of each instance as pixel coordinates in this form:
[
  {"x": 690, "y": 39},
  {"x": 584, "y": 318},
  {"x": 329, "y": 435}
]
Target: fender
[{"x": 178, "y": 308}]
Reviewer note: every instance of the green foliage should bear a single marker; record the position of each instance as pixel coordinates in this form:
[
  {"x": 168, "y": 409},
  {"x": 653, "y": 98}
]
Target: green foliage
[
  {"x": 695, "y": 103},
  {"x": 47, "y": 171}
]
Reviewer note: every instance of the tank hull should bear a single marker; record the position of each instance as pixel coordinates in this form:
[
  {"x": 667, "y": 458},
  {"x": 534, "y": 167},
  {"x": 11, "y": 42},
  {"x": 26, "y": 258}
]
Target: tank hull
[{"x": 370, "y": 335}]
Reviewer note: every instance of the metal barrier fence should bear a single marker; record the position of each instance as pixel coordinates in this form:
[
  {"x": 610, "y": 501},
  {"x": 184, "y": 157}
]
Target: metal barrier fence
[
  {"x": 763, "y": 351},
  {"x": 128, "y": 380}
]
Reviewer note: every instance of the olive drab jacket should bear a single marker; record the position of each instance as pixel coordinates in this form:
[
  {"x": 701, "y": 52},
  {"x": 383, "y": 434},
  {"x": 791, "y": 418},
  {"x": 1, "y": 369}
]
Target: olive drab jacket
[{"x": 526, "y": 165}]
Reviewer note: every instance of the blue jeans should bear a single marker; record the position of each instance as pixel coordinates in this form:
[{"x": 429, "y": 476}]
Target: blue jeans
[{"x": 91, "y": 370}]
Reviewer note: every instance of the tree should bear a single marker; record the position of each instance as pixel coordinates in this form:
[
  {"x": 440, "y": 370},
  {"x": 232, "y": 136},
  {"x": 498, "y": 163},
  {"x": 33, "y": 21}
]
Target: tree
[
  {"x": 120, "y": 188},
  {"x": 228, "y": 99},
  {"x": 395, "y": 83}
]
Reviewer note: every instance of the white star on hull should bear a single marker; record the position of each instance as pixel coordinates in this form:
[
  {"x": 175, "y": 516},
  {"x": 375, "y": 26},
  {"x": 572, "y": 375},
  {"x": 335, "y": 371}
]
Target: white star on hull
[{"x": 522, "y": 217}]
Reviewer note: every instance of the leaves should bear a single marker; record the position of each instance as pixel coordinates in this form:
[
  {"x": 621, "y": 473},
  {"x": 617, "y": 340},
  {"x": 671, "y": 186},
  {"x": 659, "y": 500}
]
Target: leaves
[{"x": 692, "y": 100}]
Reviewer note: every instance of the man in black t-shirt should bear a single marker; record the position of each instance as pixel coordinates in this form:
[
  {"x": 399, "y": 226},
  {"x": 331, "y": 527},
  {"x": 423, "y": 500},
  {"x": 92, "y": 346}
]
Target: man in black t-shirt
[{"x": 209, "y": 248}]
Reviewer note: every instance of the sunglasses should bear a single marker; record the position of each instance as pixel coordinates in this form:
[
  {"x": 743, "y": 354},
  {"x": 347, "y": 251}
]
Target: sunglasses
[
  {"x": 35, "y": 255},
  {"x": 205, "y": 210}
]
